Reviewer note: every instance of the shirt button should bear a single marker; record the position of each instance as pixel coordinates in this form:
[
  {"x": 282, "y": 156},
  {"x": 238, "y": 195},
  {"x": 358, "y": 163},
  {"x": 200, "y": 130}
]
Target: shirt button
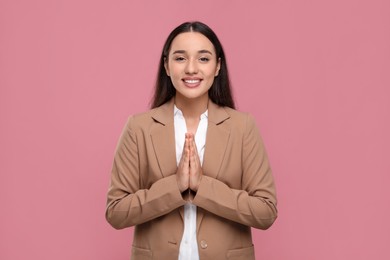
[{"x": 203, "y": 244}]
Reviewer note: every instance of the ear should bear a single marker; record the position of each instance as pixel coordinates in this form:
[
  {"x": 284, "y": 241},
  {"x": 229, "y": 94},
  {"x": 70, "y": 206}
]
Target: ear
[
  {"x": 166, "y": 66},
  {"x": 218, "y": 67}
]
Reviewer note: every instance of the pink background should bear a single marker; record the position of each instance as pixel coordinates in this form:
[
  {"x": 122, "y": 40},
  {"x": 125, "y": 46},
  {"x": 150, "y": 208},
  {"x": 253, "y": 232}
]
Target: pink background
[{"x": 315, "y": 74}]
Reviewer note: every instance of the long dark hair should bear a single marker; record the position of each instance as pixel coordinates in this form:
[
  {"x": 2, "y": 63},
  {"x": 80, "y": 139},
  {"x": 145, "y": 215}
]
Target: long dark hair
[{"x": 220, "y": 92}]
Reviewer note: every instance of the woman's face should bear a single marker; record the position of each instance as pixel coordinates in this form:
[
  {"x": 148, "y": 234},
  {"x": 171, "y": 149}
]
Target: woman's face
[{"x": 192, "y": 65}]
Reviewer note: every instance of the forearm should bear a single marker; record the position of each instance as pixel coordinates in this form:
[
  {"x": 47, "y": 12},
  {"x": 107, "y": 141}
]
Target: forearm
[
  {"x": 257, "y": 210},
  {"x": 126, "y": 209}
]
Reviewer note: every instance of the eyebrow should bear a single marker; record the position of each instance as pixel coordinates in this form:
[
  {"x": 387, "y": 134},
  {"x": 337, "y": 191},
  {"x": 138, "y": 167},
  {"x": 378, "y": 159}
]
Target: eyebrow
[{"x": 200, "y": 51}]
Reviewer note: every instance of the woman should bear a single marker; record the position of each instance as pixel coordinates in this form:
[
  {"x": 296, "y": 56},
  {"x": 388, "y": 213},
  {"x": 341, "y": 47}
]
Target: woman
[{"x": 191, "y": 174}]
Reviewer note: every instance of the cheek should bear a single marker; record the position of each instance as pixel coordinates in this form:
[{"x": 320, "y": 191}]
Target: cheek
[
  {"x": 213, "y": 73},
  {"x": 174, "y": 71},
  {"x": 175, "y": 75}
]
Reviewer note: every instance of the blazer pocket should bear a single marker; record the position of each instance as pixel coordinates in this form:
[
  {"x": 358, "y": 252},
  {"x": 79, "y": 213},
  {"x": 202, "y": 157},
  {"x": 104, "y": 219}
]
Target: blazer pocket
[
  {"x": 138, "y": 253},
  {"x": 246, "y": 253}
]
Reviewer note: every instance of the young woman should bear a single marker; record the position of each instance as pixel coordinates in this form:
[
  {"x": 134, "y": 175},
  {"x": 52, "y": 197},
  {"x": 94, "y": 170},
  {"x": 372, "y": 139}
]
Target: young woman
[{"x": 191, "y": 174}]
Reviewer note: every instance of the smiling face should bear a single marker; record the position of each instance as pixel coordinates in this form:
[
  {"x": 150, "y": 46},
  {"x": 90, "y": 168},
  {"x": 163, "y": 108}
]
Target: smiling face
[{"x": 192, "y": 65}]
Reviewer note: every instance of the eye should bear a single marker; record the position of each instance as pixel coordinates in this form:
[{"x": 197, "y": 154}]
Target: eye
[
  {"x": 179, "y": 58},
  {"x": 204, "y": 59}
]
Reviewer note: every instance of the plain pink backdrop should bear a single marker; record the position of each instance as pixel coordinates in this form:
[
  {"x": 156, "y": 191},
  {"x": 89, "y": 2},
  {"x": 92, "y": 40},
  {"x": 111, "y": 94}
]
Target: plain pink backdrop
[{"x": 315, "y": 74}]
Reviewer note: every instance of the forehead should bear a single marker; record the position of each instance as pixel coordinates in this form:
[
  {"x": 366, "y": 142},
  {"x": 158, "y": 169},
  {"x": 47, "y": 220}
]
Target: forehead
[{"x": 191, "y": 42}]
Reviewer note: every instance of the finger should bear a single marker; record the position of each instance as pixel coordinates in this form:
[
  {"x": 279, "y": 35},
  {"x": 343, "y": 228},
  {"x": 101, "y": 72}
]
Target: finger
[
  {"x": 184, "y": 159},
  {"x": 195, "y": 166},
  {"x": 188, "y": 141},
  {"x": 194, "y": 152},
  {"x": 195, "y": 149},
  {"x": 186, "y": 148},
  {"x": 185, "y": 145},
  {"x": 192, "y": 158},
  {"x": 186, "y": 156}
]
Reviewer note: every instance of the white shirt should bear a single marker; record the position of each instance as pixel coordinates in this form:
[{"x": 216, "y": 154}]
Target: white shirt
[{"x": 189, "y": 244}]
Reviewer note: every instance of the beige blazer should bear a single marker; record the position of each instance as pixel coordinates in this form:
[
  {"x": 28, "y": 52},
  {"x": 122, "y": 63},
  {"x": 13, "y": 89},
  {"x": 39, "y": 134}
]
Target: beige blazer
[{"x": 236, "y": 192}]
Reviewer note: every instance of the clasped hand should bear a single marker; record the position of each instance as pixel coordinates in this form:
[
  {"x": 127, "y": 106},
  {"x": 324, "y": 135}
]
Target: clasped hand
[{"x": 189, "y": 171}]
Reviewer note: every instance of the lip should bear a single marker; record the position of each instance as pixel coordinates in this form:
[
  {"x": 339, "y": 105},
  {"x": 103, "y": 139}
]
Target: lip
[{"x": 191, "y": 82}]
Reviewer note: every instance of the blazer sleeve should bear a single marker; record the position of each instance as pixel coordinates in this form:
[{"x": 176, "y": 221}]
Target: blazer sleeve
[
  {"x": 127, "y": 203},
  {"x": 255, "y": 204}
]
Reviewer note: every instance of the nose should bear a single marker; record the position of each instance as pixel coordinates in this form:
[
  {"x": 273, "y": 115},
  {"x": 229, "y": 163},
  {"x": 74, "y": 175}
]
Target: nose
[{"x": 191, "y": 67}]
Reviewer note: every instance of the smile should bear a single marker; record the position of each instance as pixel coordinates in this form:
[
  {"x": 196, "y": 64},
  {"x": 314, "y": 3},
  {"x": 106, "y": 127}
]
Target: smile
[{"x": 192, "y": 81}]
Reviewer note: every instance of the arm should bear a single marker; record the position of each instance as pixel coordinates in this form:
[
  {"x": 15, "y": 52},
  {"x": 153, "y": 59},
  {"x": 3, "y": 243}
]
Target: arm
[
  {"x": 255, "y": 204},
  {"x": 127, "y": 203}
]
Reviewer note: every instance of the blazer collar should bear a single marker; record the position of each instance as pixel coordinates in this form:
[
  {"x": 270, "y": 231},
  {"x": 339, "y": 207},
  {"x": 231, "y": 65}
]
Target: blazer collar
[
  {"x": 216, "y": 114},
  {"x": 164, "y": 113}
]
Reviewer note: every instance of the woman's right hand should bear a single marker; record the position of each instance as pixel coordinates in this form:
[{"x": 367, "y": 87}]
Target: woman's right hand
[{"x": 183, "y": 169}]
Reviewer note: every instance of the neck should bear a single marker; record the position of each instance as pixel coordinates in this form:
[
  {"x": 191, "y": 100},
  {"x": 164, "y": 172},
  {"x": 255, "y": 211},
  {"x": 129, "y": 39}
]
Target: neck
[{"x": 192, "y": 108}]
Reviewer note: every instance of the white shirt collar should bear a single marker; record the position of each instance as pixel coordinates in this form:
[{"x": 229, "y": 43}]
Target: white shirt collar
[{"x": 178, "y": 112}]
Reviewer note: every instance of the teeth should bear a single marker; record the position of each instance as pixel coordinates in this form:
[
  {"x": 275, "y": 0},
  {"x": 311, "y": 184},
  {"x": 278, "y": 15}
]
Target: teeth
[{"x": 191, "y": 81}]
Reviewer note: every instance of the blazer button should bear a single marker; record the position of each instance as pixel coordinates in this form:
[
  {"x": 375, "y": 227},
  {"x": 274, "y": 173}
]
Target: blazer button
[{"x": 203, "y": 244}]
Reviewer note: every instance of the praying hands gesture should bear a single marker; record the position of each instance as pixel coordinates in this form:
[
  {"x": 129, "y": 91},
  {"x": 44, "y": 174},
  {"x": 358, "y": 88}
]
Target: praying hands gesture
[{"x": 189, "y": 171}]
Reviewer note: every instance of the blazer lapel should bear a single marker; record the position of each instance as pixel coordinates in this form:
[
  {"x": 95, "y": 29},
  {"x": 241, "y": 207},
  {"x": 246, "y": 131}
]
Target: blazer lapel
[
  {"x": 216, "y": 142},
  {"x": 163, "y": 138}
]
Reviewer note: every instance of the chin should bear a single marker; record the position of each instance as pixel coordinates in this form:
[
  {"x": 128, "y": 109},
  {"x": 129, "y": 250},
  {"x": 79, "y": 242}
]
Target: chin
[{"x": 192, "y": 95}]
